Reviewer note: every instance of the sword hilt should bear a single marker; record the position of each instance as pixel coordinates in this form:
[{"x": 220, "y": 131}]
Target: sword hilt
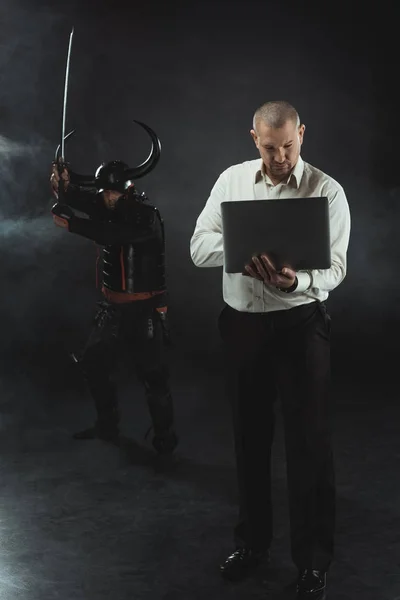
[{"x": 61, "y": 166}]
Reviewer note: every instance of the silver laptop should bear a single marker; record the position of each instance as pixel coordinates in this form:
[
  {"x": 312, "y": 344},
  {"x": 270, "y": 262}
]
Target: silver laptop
[{"x": 294, "y": 232}]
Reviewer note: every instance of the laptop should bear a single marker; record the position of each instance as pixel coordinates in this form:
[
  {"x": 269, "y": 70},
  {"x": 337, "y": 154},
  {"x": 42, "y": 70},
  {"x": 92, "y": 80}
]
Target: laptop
[{"x": 293, "y": 232}]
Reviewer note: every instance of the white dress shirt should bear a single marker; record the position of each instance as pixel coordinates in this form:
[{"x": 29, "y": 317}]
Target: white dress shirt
[{"x": 248, "y": 181}]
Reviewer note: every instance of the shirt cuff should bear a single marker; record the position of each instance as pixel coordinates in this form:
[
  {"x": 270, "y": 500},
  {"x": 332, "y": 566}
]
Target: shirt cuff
[{"x": 304, "y": 281}]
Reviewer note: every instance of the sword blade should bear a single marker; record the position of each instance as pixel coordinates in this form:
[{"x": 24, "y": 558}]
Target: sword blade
[{"x": 64, "y": 114}]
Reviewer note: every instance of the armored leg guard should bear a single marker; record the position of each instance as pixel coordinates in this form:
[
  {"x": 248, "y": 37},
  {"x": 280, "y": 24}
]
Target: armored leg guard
[{"x": 161, "y": 411}]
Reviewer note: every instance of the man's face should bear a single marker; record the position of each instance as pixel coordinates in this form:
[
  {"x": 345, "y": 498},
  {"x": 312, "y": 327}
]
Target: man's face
[
  {"x": 279, "y": 148},
  {"x": 110, "y": 197}
]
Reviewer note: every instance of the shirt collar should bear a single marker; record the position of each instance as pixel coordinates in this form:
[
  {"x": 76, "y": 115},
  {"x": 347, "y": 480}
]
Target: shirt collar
[{"x": 294, "y": 177}]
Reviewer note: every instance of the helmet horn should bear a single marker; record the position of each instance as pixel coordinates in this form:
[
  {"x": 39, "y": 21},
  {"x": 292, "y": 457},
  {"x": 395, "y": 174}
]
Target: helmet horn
[
  {"x": 151, "y": 161},
  {"x": 130, "y": 174}
]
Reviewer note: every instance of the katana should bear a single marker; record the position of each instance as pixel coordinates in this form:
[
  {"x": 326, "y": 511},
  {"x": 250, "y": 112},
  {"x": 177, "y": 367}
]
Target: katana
[
  {"x": 61, "y": 146},
  {"x": 64, "y": 113},
  {"x": 91, "y": 181}
]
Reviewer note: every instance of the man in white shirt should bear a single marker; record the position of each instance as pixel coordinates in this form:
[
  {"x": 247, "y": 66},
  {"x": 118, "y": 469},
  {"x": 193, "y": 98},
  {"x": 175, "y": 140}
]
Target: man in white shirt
[{"x": 276, "y": 330}]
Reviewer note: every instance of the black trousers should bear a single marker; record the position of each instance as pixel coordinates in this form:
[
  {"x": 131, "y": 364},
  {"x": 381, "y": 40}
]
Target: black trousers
[
  {"x": 135, "y": 328},
  {"x": 286, "y": 354}
]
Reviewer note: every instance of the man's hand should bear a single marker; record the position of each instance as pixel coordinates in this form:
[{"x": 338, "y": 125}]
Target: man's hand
[
  {"x": 62, "y": 215},
  {"x": 60, "y": 222},
  {"x": 55, "y": 177},
  {"x": 263, "y": 269}
]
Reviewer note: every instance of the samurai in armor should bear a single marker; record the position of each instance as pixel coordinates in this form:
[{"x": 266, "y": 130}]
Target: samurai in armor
[{"x": 130, "y": 270}]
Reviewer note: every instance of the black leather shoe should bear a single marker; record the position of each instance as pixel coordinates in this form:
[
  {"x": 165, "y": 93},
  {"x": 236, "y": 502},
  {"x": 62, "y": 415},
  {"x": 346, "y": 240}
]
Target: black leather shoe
[
  {"x": 311, "y": 585},
  {"x": 165, "y": 444},
  {"x": 94, "y": 433},
  {"x": 241, "y": 563}
]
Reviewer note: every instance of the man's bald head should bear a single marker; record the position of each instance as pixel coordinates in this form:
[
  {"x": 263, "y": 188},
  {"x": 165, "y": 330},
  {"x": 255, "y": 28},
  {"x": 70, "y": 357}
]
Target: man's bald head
[
  {"x": 278, "y": 135},
  {"x": 275, "y": 114}
]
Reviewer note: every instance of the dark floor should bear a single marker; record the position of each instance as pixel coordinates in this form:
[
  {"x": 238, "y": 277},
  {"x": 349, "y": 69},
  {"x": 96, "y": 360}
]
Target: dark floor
[{"x": 87, "y": 521}]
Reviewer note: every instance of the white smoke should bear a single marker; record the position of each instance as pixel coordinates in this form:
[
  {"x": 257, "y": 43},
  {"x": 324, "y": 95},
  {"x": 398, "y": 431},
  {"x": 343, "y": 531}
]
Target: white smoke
[
  {"x": 21, "y": 177},
  {"x": 10, "y": 149},
  {"x": 24, "y": 232}
]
